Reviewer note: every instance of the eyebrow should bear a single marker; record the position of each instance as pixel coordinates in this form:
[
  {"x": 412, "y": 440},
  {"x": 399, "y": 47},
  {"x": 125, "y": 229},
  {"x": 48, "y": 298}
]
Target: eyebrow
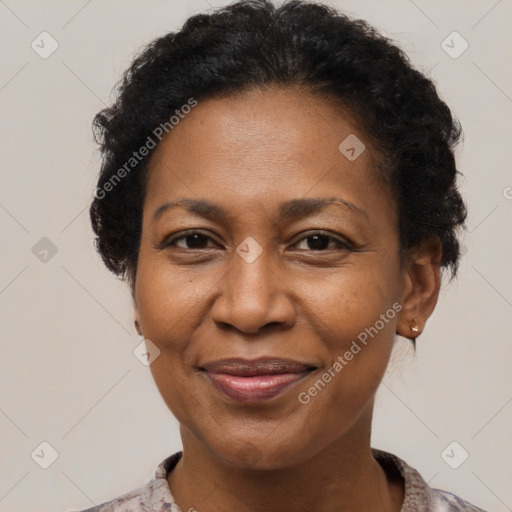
[{"x": 290, "y": 210}]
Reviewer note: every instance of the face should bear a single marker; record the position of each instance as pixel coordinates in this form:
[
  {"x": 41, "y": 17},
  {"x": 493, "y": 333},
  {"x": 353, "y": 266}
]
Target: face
[{"x": 294, "y": 257}]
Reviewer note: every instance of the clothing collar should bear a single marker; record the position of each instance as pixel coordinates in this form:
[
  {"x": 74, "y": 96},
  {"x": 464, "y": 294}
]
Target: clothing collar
[{"x": 156, "y": 495}]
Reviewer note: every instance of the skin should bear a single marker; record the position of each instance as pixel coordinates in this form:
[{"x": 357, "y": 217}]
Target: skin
[{"x": 248, "y": 153}]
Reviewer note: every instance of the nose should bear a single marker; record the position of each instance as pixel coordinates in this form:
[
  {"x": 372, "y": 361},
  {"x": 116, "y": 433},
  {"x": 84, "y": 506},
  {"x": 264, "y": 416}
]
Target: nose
[{"x": 254, "y": 296}]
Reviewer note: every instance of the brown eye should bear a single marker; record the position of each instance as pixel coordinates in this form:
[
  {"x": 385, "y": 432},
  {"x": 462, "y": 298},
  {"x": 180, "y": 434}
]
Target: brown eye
[
  {"x": 190, "y": 240},
  {"x": 322, "y": 242}
]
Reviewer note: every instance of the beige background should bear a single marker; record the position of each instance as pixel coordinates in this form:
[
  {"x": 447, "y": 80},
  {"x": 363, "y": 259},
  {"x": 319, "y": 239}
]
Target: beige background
[{"x": 68, "y": 374}]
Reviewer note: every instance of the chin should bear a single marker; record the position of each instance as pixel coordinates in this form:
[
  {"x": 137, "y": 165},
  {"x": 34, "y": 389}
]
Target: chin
[{"x": 259, "y": 455}]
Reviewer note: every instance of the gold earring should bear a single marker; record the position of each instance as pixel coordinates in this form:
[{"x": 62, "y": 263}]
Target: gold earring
[{"x": 415, "y": 327}]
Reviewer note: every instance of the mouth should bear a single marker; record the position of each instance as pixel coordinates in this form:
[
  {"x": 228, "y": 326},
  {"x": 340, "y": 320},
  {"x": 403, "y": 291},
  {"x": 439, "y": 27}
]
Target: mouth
[{"x": 251, "y": 381}]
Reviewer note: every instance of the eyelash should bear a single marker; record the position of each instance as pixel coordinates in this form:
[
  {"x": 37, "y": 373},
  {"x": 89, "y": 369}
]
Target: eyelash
[{"x": 341, "y": 245}]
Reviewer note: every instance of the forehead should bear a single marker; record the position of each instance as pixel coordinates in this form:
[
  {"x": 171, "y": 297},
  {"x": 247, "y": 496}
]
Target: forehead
[{"x": 262, "y": 145}]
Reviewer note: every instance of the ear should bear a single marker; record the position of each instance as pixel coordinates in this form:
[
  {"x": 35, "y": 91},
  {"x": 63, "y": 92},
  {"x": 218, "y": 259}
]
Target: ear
[
  {"x": 420, "y": 287},
  {"x": 136, "y": 314}
]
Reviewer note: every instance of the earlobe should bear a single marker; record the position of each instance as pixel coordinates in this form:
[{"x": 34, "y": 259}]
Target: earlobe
[
  {"x": 136, "y": 314},
  {"x": 421, "y": 285}
]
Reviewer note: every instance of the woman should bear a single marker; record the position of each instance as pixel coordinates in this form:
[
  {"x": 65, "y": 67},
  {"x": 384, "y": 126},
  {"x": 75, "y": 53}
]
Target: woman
[{"x": 235, "y": 147}]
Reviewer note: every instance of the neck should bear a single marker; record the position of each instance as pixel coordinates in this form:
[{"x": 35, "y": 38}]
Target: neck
[{"x": 343, "y": 477}]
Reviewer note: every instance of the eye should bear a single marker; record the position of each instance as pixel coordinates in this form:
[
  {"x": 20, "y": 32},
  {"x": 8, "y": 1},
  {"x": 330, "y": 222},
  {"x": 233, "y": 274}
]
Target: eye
[
  {"x": 316, "y": 241},
  {"x": 323, "y": 242},
  {"x": 190, "y": 240}
]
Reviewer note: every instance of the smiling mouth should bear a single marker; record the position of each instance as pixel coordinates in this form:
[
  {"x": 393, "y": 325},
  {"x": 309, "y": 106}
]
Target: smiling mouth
[{"x": 253, "y": 381}]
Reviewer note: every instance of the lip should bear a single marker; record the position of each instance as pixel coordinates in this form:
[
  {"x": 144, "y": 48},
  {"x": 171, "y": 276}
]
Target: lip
[{"x": 255, "y": 380}]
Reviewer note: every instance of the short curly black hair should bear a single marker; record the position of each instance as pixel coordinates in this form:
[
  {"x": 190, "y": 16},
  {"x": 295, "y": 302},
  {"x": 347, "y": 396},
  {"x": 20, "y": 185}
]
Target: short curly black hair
[{"x": 253, "y": 43}]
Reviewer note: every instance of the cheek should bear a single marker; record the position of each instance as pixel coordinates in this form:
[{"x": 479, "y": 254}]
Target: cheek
[
  {"x": 159, "y": 310},
  {"x": 170, "y": 302},
  {"x": 345, "y": 389},
  {"x": 345, "y": 304},
  {"x": 174, "y": 386},
  {"x": 356, "y": 321},
  {"x": 172, "y": 308}
]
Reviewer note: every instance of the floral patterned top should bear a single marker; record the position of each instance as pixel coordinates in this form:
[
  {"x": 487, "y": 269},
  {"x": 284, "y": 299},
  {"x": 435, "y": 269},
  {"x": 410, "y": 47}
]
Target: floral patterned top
[{"x": 156, "y": 496}]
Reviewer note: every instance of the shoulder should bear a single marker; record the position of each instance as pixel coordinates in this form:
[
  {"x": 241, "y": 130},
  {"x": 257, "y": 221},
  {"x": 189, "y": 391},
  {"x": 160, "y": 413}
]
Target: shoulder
[
  {"x": 418, "y": 495},
  {"x": 152, "y": 497},
  {"x": 449, "y": 502},
  {"x": 129, "y": 502}
]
